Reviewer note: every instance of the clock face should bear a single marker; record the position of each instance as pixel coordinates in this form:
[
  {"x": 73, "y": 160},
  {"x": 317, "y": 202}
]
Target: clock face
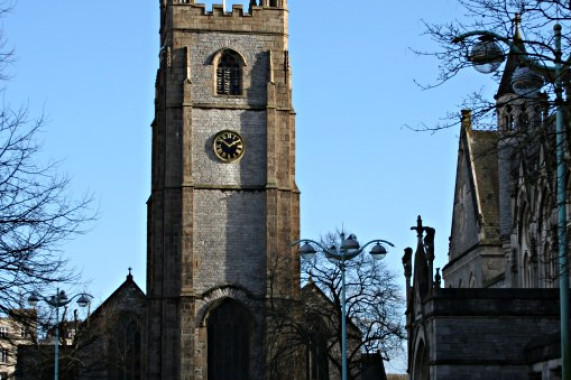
[{"x": 228, "y": 145}]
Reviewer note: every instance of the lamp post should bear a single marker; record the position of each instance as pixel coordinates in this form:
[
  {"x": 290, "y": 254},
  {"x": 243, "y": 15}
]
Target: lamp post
[
  {"x": 59, "y": 299},
  {"x": 527, "y": 79},
  {"x": 347, "y": 250}
]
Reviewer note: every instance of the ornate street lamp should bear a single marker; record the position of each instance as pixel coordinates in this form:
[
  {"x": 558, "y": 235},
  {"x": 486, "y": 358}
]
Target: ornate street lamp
[
  {"x": 527, "y": 80},
  {"x": 59, "y": 299},
  {"x": 486, "y": 55},
  {"x": 347, "y": 250}
]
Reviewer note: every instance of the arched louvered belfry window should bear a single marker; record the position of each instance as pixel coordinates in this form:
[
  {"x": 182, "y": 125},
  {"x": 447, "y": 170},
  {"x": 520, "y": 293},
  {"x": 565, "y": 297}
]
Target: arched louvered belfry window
[
  {"x": 229, "y": 333},
  {"x": 229, "y": 74}
]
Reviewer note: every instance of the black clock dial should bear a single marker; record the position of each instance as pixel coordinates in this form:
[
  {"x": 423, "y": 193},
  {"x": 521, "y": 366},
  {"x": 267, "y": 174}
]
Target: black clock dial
[{"x": 228, "y": 145}]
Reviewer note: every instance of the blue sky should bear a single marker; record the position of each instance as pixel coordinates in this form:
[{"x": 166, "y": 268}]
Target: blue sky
[{"x": 89, "y": 67}]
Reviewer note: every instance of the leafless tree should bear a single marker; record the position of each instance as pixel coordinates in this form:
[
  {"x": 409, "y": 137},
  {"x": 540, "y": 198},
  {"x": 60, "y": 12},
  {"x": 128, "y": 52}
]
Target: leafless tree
[
  {"x": 38, "y": 212},
  {"x": 498, "y": 16},
  {"x": 523, "y": 142},
  {"x": 309, "y": 327}
]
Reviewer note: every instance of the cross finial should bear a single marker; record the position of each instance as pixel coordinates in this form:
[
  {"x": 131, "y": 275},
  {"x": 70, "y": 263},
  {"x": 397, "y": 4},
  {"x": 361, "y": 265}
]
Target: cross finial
[
  {"x": 419, "y": 228},
  {"x": 130, "y": 276}
]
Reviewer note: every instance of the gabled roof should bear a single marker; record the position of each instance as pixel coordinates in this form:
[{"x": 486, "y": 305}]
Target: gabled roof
[
  {"x": 477, "y": 169},
  {"x": 129, "y": 286},
  {"x": 312, "y": 293}
]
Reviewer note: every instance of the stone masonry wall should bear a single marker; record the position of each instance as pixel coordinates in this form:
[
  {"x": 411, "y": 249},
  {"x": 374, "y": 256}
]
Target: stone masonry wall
[
  {"x": 207, "y": 169},
  {"x": 213, "y": 225},
  {"x": 253, "y": 49},
  {"x": 229, "y": 244},
  {"x": 483, "y": 333}
]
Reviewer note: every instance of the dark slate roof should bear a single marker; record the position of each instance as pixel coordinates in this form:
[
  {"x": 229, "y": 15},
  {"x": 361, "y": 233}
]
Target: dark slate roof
[
  {"x": 129, "y": 286},
  {"x": 512, "y": 62},
  {"x": 483, "y": 146},
  {"x": 506, "y": 80}
]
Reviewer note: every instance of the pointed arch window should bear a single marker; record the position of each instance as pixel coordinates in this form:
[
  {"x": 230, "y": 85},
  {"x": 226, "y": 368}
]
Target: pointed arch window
[
  {"x": 527, "y": 271},
  {"x": 421, "y": 370},
  {"x": 228, "y": 329},
  {"x": 317, "y": 362},
  {"x": 125, "y": 351},
  {"x": 550, "y": 267},
  {"x": 229, "y": 73},
  {"x": 472, "y": 282}
]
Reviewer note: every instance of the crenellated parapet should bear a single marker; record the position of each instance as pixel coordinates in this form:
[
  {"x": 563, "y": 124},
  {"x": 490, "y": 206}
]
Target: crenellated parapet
[
  {"x": 267, "y": 17},
  {"x": 237, "y": 10}
]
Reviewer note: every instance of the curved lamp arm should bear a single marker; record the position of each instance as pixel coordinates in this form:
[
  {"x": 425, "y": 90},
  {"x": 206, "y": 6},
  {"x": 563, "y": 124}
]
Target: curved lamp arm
[
  {"x": 60, "y": 299},
  {"x": 377, "y": 241},
  {"x": 309, "y": 241},
  {"x": 342, "y": 254}
]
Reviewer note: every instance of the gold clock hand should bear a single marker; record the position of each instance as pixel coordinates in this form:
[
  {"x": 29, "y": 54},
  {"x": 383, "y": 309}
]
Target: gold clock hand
[{"x": 222, "y": 141}]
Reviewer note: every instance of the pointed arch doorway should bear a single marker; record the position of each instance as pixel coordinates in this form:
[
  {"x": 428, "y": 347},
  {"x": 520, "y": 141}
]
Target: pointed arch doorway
[{"x": 229, "y": 331}]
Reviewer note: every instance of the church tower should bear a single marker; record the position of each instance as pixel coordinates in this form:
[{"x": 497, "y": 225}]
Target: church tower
[{"x": 224, "y": 206}]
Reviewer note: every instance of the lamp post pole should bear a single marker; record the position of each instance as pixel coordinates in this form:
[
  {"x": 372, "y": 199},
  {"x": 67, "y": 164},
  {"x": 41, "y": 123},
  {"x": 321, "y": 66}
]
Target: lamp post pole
[
  {"x": 56, "y": 344},
  {"x": 481, "y": 57},
  {"x": 347, "y": 250},
  {"x": 343, "y": 322},
  {"x": 56, "y": 301},
  {"x": 562, "y": 210}
]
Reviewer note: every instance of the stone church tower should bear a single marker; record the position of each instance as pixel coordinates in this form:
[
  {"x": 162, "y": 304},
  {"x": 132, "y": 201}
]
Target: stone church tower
[{"x": 224, "y": 206}]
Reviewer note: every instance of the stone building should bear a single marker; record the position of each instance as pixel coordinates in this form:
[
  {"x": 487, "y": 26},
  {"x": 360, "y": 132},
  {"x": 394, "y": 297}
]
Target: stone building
[
  {"x": 222, "y": 215},
  {"x": 109, "y": 344},
  {"x": 15, "y": 329},
  {"x": 497, "y": 314},
  {"x": 224, "y": 205},
  {"x": 477, "y": 333},
  {"x": 504, "y": 223}
]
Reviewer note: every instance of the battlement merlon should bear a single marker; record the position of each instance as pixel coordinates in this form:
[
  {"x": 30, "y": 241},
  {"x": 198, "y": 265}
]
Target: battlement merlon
[
  {"x": 237, "y": 9},
  {"x": 194, "y": 17},
  {"x": 253, "y": 3}
]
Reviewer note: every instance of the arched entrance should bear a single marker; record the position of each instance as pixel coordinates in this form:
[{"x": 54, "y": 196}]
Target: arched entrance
[{"x": 228, "y": 327}]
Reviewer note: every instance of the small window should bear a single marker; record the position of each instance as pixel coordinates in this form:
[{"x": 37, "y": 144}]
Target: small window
[
  {"x": 3, "y": 355},
  {"x": 3, "y": 376},
  {"x": 229, "y": 74},
  {"x": 70, "y": 333},
  {"x": 3, "y": 331}
]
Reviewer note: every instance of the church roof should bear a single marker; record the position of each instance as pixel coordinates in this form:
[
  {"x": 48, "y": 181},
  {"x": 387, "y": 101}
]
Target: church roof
[
  {"x": 512, "y": 62},
  {"x": 128, "y": 289},
  {"x": 475, "y": 217},
  {"x": 484, "y": 160}
]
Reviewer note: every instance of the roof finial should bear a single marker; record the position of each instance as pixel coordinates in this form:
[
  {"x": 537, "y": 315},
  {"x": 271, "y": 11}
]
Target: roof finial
[
  {"x": 466, "y": 119},
  {"x": 418, "y": 228},
  {"x": 517, "y": 23},
  {"x": 130, "y": 276}
]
